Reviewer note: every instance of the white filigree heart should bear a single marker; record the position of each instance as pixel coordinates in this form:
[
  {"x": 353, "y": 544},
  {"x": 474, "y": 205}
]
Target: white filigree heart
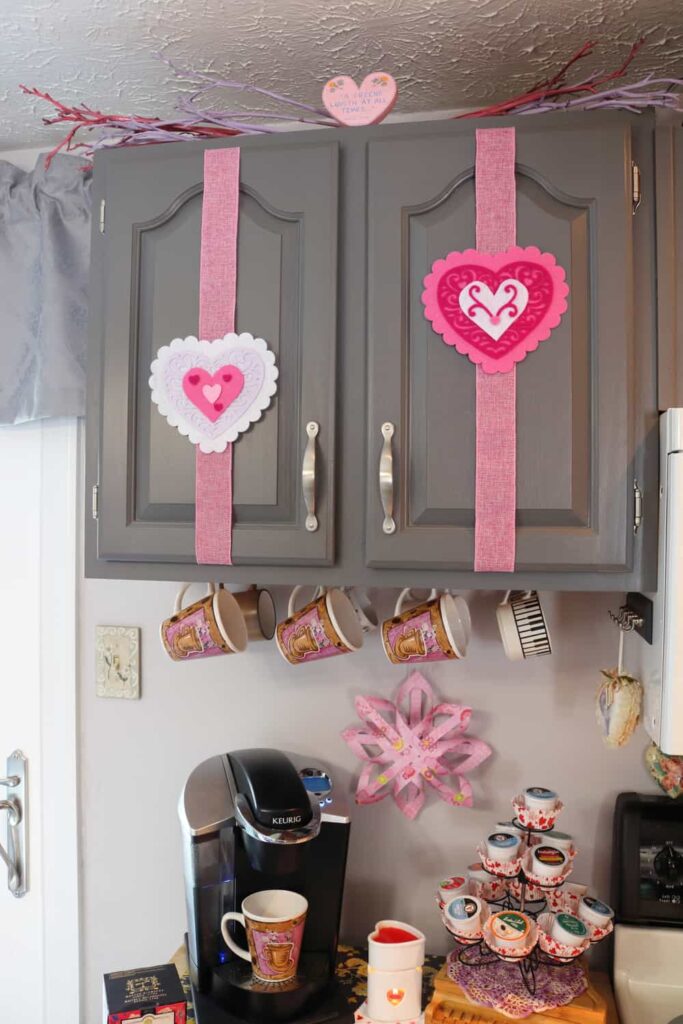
[
  {"x": 212, "y": 391},
  {"x": 494, "y": 312}
]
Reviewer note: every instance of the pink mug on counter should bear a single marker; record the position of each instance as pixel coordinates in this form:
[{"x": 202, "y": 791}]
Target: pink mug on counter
[
  {"x": 326, "y": 626},
  {"x": 437, "y": 629}
]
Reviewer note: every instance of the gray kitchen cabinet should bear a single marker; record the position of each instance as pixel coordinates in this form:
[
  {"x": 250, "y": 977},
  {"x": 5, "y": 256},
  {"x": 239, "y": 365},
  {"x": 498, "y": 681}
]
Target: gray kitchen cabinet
[
  {"x": 342, "y": 311},
  {"x": 579, "y": 420},
  {"x": 146, "y": 287}
]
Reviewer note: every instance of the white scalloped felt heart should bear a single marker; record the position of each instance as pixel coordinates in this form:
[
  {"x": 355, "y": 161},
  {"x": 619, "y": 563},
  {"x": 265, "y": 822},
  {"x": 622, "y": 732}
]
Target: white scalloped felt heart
[{"x": 212, "y": 391}]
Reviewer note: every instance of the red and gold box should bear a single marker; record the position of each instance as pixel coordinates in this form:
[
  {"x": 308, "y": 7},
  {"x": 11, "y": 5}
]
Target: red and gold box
[{"x": 150, "y": 995}]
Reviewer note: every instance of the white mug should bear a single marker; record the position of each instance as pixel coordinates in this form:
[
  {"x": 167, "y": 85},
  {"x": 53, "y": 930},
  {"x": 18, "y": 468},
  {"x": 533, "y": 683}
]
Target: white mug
[
  {"x": 363, "y": 607},
  {"x": 522, "y": 625}
]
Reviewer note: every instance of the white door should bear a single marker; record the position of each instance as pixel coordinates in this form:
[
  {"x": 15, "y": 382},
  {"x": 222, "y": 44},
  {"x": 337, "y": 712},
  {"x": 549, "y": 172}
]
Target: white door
[{"x": 38, "y": 503}]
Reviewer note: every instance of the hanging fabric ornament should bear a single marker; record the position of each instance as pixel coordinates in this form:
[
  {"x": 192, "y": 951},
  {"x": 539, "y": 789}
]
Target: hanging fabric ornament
[
  {"x": 413, "y": 742},
  {"x": 214, "y": 389},
  {"x": 617, "y": 706},
  {"x": 495, "y": 304},
  {"x": 666, "y": 770}
]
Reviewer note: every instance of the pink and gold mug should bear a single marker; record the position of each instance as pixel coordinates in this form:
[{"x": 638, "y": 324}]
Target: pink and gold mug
[
  {"x": 213, "y": 625},
  {"x": 274, "y": 920},
  {"x": 437, "y": 629},
  {"x": 326, "y": 626}
]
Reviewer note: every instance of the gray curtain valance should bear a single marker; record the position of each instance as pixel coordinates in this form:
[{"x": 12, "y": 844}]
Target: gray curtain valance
[{"x": 44, "y": 256}]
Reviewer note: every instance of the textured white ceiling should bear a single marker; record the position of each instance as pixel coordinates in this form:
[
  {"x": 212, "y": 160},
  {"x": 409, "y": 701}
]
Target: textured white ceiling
[{"x": 444, "y": 53}]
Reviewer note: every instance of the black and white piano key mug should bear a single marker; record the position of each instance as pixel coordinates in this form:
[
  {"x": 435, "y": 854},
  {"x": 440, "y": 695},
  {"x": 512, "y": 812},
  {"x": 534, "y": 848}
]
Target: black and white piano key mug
[{"x": 522, "y": 625}]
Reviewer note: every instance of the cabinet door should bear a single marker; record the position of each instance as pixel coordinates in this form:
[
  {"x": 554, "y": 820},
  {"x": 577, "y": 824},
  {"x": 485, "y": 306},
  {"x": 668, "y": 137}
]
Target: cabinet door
[
  {"x": 574, "y": 490},
  {"x": 146, "y": 293}
]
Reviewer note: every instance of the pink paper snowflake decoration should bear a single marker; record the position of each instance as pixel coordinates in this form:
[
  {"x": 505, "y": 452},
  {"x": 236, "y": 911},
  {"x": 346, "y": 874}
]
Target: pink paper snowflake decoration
[{"x": 414, "y": 741}]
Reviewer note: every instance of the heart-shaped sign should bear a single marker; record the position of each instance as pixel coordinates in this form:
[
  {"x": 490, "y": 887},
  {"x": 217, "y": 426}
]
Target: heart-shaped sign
[
  {"x": 353, "y": 106},
  {"x": 495, "y": 308},
  {"x": 212, "y": 391}
]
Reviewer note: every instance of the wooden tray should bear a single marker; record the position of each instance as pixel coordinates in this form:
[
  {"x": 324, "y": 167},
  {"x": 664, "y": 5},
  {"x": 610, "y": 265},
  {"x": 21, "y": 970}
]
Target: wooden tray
[{"x": 449, "y": 1004}]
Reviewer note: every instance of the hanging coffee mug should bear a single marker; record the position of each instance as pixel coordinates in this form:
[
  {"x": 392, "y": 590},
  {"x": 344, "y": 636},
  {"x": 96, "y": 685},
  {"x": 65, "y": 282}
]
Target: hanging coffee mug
[
  {"x": 363, "y": 607},
  {"x": 437, "y": 629},
  {"x": 213, "y": 625},
  {"x": 258, "y": 608},
  {"x": 326, "y": 626},
  {"x": 522, "y": 625}
]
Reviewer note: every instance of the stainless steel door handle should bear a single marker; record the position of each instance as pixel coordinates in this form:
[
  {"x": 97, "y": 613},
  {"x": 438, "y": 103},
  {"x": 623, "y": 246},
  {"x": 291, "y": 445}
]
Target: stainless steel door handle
[
  {"x": 308, "y": 476},
  {"x": 386, "y": 478},
  {"x": 15, "y": 854}
]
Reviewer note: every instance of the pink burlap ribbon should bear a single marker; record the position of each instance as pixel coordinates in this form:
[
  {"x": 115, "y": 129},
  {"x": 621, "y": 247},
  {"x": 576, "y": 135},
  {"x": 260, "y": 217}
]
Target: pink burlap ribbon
[
  {"x": 217, "y": 297},
  {"x": 414, "y": 741},
  {"x": 496, "y": 499}
]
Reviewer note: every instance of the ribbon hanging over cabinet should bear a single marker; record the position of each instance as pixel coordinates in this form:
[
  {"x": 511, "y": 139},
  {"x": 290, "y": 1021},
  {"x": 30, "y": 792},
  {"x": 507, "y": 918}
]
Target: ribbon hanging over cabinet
[{"x": 495, "y": 304}]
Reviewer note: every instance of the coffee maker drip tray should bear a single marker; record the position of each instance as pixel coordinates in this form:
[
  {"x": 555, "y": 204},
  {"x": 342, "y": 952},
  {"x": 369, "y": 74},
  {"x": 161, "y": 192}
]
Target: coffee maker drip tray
[{"x": 237, "y": 997}]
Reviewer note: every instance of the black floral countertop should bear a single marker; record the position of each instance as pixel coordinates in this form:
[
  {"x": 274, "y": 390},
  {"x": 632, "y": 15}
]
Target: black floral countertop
[{"x": 352, "y": 972}]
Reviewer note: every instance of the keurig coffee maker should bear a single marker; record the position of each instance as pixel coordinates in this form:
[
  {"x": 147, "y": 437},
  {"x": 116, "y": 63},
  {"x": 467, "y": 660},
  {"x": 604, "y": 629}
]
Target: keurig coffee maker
[{"x": 254, "y": 820}]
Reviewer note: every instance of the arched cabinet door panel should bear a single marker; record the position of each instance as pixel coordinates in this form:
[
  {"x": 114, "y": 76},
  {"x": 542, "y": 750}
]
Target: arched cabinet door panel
[
  {"x": 574, "y": 397},
  {"x": 146, "y": 286}
]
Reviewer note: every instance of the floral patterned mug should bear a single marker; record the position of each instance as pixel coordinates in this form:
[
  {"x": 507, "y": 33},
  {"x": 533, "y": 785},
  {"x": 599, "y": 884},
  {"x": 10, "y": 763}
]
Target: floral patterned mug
[
  {"x": 438, "y": 629},
  {"x": 326, "y": 626},
  {"x": 274, "y": 920},
  {"x": 213, "y": 625}
]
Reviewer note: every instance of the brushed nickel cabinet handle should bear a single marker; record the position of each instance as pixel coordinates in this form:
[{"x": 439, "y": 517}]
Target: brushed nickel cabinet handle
[
  {"x": 386, "y": 478},
  {"x": 308, "y": 476}
]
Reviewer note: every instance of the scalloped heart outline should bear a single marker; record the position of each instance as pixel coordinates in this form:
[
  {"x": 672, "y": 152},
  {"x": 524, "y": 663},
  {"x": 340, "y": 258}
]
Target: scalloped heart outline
[
  {"x": 252, "y": 357},
  {"x": 442, "y": 307}
]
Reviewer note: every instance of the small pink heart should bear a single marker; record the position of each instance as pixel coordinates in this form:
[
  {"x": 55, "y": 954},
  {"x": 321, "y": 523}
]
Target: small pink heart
[
  {"x": 212, "y": 394},
  {"x": 370, "y": 104}
]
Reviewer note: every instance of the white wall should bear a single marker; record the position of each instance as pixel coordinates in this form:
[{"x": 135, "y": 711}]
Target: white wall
[{"x": 538, "y": 716}]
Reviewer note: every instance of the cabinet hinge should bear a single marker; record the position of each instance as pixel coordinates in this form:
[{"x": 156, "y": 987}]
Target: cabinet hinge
[
  {"x": 636, "y": 188},
  {"x": 103, "y": 207},
  {"x": 95, "y": 501},
  {"x": 637, "y": 506}
]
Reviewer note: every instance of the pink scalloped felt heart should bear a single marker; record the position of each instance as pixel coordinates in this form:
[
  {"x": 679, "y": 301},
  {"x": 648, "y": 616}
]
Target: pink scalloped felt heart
[
  {"x": 213, "y": 393},
  {"x": 495, "y": 308},
  {"x": 369, "y": 104}
]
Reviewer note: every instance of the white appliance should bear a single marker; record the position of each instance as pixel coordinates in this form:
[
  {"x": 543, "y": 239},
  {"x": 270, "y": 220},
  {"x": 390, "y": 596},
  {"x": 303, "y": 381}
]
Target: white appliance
[
  {"x": 659, "y": 665},
  {"x": 647, "y": 896}
]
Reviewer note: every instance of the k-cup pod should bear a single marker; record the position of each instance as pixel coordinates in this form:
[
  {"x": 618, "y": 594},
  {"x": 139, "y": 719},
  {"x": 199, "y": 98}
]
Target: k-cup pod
[
  {"x": 503, "y": 846},
  {"x": 548, "y": 861},
  {"x": 562, "y": 840},
  {"x": 452, "y": 887},
  {"x": 465, "y": 914},
  {"x": 477, "y": 873},
  {"x": 594, "y": 912},
  {"x": 511, "y": 929},
  {"x": 537, "y": 798},
  {"x": 568, "y": 929}
]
